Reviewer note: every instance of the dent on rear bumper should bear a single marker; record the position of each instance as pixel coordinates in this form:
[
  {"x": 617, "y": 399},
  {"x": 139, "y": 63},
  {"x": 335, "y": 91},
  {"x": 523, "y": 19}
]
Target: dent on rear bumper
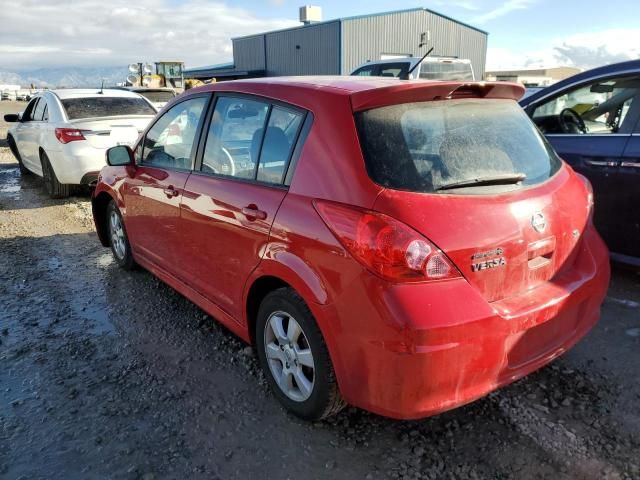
[{"x": 410, "y": 351}]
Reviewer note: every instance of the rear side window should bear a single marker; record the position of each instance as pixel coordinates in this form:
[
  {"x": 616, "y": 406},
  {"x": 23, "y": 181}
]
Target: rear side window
[
  {"x": 446, "y": 71},
  {"x": 37, "y": 113},
  {"x": 93, "y": 107},
  {"x": 277, "y": 146},
  {"x": 428, "y": 146}
]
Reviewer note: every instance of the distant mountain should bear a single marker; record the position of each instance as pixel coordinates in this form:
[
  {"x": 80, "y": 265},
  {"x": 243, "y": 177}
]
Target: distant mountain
[{"x": 65, "y": 77}]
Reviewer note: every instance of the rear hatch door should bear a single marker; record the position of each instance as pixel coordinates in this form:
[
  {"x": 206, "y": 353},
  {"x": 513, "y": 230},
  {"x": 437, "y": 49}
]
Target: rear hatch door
[
  {"x": 503, "y": 244},
  {"x": 478, "y": 180}
]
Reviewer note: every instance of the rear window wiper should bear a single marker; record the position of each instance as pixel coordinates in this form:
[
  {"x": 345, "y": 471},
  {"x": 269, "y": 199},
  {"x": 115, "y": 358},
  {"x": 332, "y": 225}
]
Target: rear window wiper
[{"x": 506, "y": 179}]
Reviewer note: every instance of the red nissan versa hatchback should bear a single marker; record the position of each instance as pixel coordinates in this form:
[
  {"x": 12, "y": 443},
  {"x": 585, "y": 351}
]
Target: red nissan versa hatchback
[{"x": 404, "y": 247}]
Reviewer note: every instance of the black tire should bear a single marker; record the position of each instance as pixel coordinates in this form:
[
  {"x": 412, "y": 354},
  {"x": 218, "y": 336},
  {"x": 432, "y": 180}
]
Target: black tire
[
  {"x": 123, "y": 257},
  {"x": 54, "y": 188},
  {"x": 14, "y": 149},
  {"x": 325, "y": 399}
]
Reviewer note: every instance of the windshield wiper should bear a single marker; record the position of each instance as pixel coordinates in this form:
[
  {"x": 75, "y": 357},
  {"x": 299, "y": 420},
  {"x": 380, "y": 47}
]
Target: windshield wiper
[{"x": 506, "y": 179}]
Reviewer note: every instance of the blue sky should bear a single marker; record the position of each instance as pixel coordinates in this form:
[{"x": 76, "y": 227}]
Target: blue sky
[{"x": 522, "y": 33}]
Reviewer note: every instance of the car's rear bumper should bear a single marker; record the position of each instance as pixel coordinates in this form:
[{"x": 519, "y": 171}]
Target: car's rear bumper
[
  {"x": 77, "y": 164},
  {"x": 410, "y": 351}
]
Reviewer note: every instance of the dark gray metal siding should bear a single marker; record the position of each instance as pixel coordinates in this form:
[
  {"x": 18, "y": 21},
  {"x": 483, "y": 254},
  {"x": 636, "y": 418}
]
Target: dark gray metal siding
[
  {"x": 248, "y": 53},
  {"x": 311, "y": 50},
  {"x": 367, "y": 38}
]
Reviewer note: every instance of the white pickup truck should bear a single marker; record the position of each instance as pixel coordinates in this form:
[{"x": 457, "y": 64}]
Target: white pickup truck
[{"x": 430, "y": 68}]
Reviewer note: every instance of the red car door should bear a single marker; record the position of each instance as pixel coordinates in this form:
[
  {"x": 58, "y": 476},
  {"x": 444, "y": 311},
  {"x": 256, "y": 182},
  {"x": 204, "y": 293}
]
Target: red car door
[
  {"x": 230, "y": 201},
  {"x": 152, "y": 195}
]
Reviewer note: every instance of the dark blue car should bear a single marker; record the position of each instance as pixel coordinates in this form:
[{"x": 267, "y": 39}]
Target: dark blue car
[{"x": 592, "y": 120}]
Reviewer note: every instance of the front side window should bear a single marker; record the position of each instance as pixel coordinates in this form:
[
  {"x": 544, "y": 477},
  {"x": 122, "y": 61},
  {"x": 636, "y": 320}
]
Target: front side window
[
  {"x": 235, "y": 137},
  {"x": 39, "y": 111},
  {"x": 598, "y": 108},
  {"x": 446, "y": 145},
  {"x": 365, "y": 71},
  {"x": 30, "y": 110},
  {"x": 170, "y": 142}
]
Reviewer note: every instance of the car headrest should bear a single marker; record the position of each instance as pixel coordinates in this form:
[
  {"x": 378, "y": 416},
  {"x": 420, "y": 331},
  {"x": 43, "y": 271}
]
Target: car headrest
[{"x": 275, "y": 146}]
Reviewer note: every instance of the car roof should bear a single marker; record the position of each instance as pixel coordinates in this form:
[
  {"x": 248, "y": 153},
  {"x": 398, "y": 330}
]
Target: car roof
[
  {"x": 623, "y": 68},
  {"x": 413, "y": 60},
  {"x": 65, "y": 93},
  {"x": 410, "y": 60},
  {"x": 364, "y": 92},
  {"x": 145, "y": 89}
]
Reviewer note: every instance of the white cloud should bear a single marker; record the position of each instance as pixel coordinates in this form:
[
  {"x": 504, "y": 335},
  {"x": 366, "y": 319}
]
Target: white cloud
[
  {"x": 583, "y": 50},
  {"x": 469, "y": 5},
  {"x": 44, "y": 33},
  {"x": 507, "y": 7}
]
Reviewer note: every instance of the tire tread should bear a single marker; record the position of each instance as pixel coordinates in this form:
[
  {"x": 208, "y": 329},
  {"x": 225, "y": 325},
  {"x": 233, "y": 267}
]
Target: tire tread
[{"x": 57, "y": 190}]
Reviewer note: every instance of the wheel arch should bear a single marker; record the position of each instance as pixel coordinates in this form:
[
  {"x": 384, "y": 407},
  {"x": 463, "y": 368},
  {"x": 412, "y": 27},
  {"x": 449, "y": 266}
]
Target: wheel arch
[
  {"x": 42, "y": 151},
  {"x": 285, "y": 270},
  {"x": 99, "y": 204},
  {"x": 258, "y": 290},
  {"x": 13, "y": 146},
  {"x": 271, "y": 275}
]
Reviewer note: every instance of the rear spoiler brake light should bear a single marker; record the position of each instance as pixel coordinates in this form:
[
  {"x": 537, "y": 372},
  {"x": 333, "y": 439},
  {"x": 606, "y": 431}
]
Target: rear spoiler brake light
[{"x": 421, "y": 91}]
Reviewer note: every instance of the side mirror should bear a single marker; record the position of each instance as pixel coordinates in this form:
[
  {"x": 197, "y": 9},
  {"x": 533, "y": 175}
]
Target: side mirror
[
  {"x": 120, "y": 156},
  {"x": 12, "y": 118}
]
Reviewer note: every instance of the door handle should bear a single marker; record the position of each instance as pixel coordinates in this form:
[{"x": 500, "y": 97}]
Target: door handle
[
  {"x": 600, "y": 163},
  {"x": 171, "y": 192},
  {"x": 252, "y": 212},
  {"x": 630, "y": 164}
]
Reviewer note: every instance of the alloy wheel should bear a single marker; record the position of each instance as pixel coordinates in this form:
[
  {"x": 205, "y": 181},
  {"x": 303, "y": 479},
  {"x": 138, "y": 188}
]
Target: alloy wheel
[
  {"x": 117, "y": 235},
  {"x": 289, "y": 356}
]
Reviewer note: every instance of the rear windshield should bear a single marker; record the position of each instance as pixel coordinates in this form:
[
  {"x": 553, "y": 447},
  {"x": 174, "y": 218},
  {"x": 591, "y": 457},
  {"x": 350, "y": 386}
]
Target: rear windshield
[
  {"x": 446, "y": 71},
  {"x": 91, "y": 107},
  {"x": 158, "y": 95},
  {"x": 425, "y": 146}
]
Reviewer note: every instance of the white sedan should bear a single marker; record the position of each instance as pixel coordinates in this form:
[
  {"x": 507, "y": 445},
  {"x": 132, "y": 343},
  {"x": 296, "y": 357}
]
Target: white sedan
[{"x": 63, "y": 135}]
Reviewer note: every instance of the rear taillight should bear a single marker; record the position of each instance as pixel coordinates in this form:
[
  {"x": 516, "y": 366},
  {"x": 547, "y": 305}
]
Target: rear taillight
[
  {"x": 66, "y": 135},
  {"x": 386, "y": 246},
  {"x": 589, "y": 188}
]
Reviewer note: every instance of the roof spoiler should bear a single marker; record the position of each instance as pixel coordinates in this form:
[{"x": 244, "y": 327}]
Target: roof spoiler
[
  {"x": 418, "y": 91},
  {"x": 482, "y": 90}
]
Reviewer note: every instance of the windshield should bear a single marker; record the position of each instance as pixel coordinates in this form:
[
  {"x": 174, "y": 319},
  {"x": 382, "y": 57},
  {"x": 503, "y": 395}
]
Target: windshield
[
  {"x": 425, "y": 146},
  {"x": 93, "y": 107},
  {"x": 446, "y": 71},
  {"x": 158, "y": 95}
]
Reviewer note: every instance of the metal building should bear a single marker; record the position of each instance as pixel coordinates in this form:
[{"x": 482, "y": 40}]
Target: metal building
[{"x": 336, "y": 47}]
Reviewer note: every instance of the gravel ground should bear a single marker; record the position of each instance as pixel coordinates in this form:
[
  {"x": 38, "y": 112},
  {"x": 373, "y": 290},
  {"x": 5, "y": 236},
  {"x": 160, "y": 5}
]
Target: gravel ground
[{"x": 111, "y": 374}]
